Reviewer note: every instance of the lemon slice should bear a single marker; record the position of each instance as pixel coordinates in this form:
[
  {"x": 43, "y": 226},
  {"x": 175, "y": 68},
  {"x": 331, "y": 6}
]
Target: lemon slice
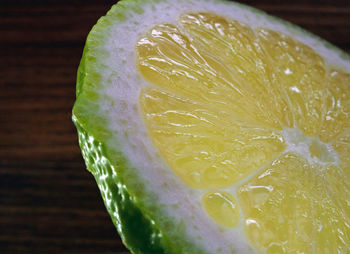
[{"x": 211, "y": 127}]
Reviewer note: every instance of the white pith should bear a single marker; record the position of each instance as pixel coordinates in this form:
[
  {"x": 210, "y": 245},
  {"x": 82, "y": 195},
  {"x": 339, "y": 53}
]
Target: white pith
[{"x": 130, "y": 132}]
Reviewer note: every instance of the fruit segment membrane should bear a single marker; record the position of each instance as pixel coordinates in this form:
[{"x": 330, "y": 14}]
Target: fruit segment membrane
[{"x": 258, "y": 115}]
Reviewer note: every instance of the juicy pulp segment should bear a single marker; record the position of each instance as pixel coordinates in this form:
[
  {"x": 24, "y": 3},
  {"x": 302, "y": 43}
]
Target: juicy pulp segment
[
  {"x": 300, "y": 72},
  {"x": 337, "y": 106},
  {"x": 298, "y": 207},
  {"x": 222, "y": 207},
  {"x": 222, "y": 95},
  {"x": 248, "y": 70},
  {"x": 204, "y": 146}
]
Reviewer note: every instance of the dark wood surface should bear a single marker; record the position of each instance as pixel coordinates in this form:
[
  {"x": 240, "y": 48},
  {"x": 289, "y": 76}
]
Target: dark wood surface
[{"x": 49, "y": 203}]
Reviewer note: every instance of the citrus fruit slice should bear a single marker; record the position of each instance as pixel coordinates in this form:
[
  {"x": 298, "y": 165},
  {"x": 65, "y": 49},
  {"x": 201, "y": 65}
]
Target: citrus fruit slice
[{"x": 211, "y": 127}]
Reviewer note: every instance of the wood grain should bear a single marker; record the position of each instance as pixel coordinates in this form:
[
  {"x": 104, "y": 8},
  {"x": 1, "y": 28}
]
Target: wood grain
[{"x": 49, "y": 203}]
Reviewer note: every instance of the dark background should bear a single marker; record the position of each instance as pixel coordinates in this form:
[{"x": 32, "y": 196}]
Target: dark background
[{"x": 49, "y": 203}]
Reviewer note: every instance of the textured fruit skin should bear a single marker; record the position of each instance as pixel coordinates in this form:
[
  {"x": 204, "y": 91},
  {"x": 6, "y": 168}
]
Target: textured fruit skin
[
  {"x": 134, "y": 222},
  {"x": 136, "y": 230}
]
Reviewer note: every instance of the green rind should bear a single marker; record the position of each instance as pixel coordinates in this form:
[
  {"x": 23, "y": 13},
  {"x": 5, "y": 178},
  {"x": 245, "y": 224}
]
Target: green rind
[
  {"x": 138, "y": 232},
  {"x": 126, "y": 205},
  {"x": 134, "y": 222},
  {"x": 91, "y": 124}
]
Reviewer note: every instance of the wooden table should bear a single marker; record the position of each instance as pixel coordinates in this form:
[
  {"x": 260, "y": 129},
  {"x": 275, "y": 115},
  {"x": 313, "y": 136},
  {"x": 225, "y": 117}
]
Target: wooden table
[{"x": 49, "y": 203}]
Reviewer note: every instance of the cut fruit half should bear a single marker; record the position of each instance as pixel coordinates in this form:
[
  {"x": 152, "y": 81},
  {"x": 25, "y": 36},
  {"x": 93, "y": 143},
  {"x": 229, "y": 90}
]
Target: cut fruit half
[{"x": 211, "y": 127}]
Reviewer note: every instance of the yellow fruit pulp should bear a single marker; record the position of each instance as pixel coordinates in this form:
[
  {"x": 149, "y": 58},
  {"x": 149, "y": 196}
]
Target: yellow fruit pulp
[{"x": 259, "y": 121}]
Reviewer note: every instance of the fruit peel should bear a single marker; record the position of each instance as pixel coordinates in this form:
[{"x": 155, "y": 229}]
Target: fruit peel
[{"x": 139, "y": 233}]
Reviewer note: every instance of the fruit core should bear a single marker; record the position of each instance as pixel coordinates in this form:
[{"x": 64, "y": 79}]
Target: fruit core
[
  {"x": 311, "y": 148},
  {"x": 259, "y": 122}
]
